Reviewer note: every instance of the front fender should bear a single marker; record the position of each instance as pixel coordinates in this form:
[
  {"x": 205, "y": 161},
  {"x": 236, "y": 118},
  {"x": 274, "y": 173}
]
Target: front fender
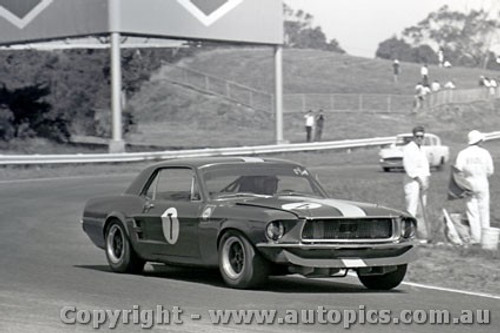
[{"x": 252, "y": 230}]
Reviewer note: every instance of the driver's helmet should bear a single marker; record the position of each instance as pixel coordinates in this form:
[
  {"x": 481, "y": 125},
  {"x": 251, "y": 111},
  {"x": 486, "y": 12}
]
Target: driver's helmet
[{"x": 266, "y": 185}]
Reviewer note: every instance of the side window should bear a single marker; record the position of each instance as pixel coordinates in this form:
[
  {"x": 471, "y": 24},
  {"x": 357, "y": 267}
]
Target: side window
[{"x": 174, "y": 184}]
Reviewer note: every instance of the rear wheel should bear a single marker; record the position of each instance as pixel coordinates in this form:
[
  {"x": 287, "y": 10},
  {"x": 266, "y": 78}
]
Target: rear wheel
[
  {"x": 386, "y": 281},
  {"x": 120, "y": 254},
  {"x": 240, "y": 265}
]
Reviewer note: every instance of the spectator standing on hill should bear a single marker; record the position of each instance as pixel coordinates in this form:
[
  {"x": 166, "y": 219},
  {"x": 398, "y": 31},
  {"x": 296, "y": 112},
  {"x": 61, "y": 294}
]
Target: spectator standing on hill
[
  {"x": 309, "y": 125},
  {"x": 424, "y": 72},
  {"x": 420, "y": 92},
  {"x": 482, "y": 81},
  {"x": 440, "y": 57},
  {"x": 416, "y": 182},
  {"x": 395, "y": 70},
  {"x": 476, "y": 165},
  {"x": 320, "y": 121},
  {"x": 493, "y": 87}
]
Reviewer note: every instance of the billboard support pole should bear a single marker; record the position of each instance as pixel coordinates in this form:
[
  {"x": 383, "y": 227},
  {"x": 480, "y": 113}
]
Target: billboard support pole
[
  {"x": 278, "y": 100},
  {"x": 116, "y": 145}
]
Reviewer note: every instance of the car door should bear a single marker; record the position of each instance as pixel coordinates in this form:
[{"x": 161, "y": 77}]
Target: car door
[
  {"x": 429, "y": 146},
  {"x": 170, "y": 218}
]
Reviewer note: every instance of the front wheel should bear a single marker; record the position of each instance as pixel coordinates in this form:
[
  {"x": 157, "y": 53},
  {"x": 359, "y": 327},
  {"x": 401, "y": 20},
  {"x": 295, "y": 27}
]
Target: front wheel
[
  {"x": 240, "y": 265},
  {"x": 120, "y": 254},
  {"x": 440, "y": 166},
  {"x": 386, "y": 281}
]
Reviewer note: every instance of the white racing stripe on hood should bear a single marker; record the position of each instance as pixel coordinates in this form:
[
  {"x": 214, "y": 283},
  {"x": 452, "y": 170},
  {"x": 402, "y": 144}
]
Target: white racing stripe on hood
[{"x": 346, "y": 209}]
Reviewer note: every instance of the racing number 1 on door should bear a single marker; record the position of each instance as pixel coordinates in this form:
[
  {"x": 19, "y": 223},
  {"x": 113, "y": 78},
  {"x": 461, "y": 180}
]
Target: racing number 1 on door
[{"x": 170, "y": 225}]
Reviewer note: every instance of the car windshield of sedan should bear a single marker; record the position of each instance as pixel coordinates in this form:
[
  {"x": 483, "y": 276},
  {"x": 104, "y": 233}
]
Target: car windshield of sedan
[
  {"x": 404, "y": 140},
  {"x": 259, "y": 180}
]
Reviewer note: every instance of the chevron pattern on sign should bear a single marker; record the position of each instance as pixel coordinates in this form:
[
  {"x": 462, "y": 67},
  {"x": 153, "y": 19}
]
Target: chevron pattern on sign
[
  {"x": 208, "y": 6},
  {"x": 22, "y": 12},
  {"x": 209, "y": 11},
  {"x": 19, "y": 8}
]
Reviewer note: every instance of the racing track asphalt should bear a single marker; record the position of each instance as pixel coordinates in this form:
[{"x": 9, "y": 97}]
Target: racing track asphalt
[{"x": 47, "y": 263}]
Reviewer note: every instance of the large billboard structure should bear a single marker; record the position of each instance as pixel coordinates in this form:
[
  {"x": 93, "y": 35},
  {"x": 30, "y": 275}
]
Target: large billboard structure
[{"x": 241, "y": 21}]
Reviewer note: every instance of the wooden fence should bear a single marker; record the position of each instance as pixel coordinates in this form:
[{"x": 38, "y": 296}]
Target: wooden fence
[{"x": 293, "y": 103}]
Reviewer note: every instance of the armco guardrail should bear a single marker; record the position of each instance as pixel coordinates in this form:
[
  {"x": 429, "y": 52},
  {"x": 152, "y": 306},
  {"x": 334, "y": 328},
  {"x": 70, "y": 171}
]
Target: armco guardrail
[
  {"x": 234, "y": 151},
  {"x": 161, "y": 155}
]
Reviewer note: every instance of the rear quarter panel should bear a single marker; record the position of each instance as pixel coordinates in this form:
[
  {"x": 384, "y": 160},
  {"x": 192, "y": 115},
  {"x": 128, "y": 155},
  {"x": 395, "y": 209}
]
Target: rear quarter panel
[{"x": 98, "y": 210}]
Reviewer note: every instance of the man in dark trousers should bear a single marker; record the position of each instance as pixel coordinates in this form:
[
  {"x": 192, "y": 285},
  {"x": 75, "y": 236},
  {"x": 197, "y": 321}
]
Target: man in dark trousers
[
  {"x": 309, "y": 124},
  {"x": 320, "y": 121}
]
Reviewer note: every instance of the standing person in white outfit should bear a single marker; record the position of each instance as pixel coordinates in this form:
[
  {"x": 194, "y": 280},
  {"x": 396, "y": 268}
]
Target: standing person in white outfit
[
  {"x": 309, "y": 125},
  {"x": 416, "y": 181},
  {"x": 476, "y": 165}
]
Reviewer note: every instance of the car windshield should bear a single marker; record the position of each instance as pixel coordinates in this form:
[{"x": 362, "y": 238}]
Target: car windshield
[
  {"x": 403, "y": 140},
  {"x": 259, "y": 180}
]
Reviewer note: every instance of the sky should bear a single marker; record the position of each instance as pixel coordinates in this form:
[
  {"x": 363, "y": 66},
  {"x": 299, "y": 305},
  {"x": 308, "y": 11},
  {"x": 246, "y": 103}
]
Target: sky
[{"x": 360, "y": 25}]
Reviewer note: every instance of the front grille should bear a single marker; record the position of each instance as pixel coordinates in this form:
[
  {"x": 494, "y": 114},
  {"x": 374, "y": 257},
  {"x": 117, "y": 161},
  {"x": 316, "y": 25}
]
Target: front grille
[{"x": 345, "y": 229}]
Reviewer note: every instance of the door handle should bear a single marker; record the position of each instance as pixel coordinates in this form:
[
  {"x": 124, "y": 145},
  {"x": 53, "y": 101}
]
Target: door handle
[{"x": 148, "y": 206}]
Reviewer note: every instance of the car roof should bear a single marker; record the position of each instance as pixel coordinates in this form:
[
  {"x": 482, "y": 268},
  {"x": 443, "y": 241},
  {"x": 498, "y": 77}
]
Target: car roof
[
  {"x": 198, "y": 162},
  {"x": 204, "y": 161}
]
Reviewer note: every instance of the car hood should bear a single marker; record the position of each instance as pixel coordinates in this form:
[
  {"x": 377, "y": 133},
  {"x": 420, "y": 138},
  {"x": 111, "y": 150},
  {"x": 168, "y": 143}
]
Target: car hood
[{"x": 312, "y": 207}]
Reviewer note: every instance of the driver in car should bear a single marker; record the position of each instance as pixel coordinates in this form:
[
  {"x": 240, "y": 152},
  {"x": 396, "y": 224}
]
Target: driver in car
[{"x": 266, "y": 185}]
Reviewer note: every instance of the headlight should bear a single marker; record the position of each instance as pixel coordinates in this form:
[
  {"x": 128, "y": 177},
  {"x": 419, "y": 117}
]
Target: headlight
[
  {"x": 408, "y": 228},
  {"x": 275, "y": 230}
]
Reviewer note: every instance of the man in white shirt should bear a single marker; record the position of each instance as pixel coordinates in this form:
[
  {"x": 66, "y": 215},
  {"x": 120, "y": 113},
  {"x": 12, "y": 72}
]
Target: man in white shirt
[
  {"x": 424, "y": 72},
  {"x": 309, "y": 124},
  {"x": 476, "y": 165},
  {"x": 416, "y": 181}
]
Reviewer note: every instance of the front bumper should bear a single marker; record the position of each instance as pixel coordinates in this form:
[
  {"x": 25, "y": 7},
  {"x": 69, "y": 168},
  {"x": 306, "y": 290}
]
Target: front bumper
[
  {"x": 342, "y": 256},
  {"x": 391, "y": 162}
]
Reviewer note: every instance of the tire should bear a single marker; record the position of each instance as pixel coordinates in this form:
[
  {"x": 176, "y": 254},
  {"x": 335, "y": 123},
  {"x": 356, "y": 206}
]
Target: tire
[
  {"x": 440, "y": 166},
  {"x": 240, "y": 265},
  {"x": 119, "y": 253},
  {"x": 386, "y": 169},
  {"x": 384, "y": 282}
]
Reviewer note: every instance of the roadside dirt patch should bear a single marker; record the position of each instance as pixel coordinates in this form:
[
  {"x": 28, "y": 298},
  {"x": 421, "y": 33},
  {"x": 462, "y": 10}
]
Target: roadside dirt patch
[{"x": 471, "y": 269}]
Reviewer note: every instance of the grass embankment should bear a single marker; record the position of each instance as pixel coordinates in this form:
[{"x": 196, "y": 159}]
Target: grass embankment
[{"x": 171, "y": 115}]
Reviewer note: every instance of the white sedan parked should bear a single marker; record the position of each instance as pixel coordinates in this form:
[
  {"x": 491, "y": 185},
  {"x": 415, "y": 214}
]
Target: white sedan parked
[{"x": 392, "y": 157}]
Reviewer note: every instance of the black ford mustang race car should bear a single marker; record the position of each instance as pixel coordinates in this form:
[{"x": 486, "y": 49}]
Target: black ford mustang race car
[{"x": 252, "y": 218}]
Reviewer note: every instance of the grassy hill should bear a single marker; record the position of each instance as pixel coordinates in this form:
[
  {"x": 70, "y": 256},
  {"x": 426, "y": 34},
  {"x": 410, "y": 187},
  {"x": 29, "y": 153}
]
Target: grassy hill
[
  {"x": 172, "y": 115},
  {"x": 312, "y": 71}
]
